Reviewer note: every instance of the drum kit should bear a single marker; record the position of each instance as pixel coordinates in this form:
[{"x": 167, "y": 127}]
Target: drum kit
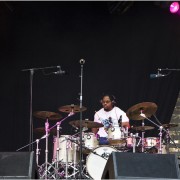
[{"x": 66, "y": 155}]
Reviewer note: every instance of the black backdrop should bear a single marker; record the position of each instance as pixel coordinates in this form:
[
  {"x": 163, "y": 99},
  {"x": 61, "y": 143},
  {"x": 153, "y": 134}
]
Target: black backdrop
[{"x": 121, "y": 50}]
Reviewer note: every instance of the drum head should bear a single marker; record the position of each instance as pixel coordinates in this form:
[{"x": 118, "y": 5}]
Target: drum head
[{"x": 96, "y": 163}]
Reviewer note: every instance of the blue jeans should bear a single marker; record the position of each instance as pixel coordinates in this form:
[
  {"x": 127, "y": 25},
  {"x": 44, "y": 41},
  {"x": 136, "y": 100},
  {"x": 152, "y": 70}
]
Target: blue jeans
[{"x": 103, "y": 141}]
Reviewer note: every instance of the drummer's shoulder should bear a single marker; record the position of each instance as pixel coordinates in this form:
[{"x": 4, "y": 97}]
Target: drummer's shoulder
[{"x": 118, "y": 109}]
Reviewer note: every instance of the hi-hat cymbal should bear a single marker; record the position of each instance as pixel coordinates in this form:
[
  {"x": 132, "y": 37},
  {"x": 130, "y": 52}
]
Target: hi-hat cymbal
[
  {"x": 142, "y": 128},
  {"x": 71, "y": 108},
  {"x": 171, "y": 125},
  {"x": 147, "y": 108},
  {"x": 41, "y": 130},
  {"x": 47, "y": 115},
  {"x": 85, "y": 123}
]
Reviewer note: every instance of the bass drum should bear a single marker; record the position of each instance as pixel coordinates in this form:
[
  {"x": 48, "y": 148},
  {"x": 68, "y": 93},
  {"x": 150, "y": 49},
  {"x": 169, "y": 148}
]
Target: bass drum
[{"x": 95, "y": 164}]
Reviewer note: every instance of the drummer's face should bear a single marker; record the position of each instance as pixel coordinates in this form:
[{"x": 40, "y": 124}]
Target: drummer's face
[{"x": 107, "y": 103}]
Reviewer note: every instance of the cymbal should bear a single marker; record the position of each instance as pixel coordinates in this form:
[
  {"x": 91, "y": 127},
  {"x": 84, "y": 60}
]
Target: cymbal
[
  {"x": 142, "y": 128},
  {"x": 85, "y": 123},
  {"x": 41, "y": 130},
  {"x": 147, "y": 108},
  {"x": 171, "y": 125},
  {"x": 71, "y": 108},
  {"x": 47, "y": 115}
]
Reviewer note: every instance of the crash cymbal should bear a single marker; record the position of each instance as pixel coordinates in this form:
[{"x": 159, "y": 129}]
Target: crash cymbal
[
  {"x": 147, "y": 108},
  {"x": 71, "y": 108},
  {"x": 85, "y": 123},
  {"x": 142, "y": 128},
  {"x": 47, "y": 115},
  {"x": 171, "y": 125},
  {"x": 41, "y": 130}
]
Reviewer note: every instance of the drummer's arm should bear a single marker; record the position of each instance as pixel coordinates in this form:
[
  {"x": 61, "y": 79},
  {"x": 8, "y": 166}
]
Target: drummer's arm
[
  {"x": 125, "y": 124},
  {"x": 96, "y": 119}
]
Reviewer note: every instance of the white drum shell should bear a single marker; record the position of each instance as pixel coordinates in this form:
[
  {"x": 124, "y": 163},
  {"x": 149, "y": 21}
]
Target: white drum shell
[
  {"x": 115, "y": 133},
  {"x": 95, "y": 164},
  {"x": 151, "y": 142},
  {"x": 68, "y": 151},
  {"x": 90, "y": 140}
]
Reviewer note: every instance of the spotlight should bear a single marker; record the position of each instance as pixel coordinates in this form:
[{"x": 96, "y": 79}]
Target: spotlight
[{"x": 174, "y": 7}]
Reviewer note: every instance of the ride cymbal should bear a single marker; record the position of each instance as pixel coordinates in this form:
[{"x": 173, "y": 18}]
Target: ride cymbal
[
  {"x": 47, "y": 115},
  {"x": 85, "y": 123},
  {"x": 142, "y": 128},
  {"x": 147, "y": 108},
  {"x": 71, "y": 108},
  {"x": 171, "y": 125}
]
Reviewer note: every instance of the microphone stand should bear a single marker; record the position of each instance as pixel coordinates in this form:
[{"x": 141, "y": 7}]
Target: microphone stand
[
  {"x": 168, "y": 69},
  {"x": 82, "y": 61},
  {"x": 32, "y": 70}
]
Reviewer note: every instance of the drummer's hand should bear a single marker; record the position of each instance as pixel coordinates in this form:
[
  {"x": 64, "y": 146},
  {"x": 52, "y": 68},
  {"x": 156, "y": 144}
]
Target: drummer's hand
[{"x": 125, "y": 124}]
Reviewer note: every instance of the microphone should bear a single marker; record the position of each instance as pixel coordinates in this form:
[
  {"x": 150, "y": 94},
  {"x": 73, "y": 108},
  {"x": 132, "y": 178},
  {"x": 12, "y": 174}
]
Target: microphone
[
  {"x": 60, "y": 71},
  {"x": 81, "y": 61},
  {"x": 158, "y": 75}
]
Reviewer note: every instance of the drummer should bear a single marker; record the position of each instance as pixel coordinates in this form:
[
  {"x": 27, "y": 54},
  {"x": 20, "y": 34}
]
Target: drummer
[{"x": 109, "y": 115}]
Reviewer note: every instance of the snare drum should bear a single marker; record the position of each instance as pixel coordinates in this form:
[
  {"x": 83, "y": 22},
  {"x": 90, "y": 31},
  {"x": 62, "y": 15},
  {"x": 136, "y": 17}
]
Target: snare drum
[
  {"x": 115, "y": 133},
  {"x": 95, "y": 164},
  {"x": 90, "y": 140},
  {"x": 68, "y": 151},
  {"x": 116, "y": 136}
]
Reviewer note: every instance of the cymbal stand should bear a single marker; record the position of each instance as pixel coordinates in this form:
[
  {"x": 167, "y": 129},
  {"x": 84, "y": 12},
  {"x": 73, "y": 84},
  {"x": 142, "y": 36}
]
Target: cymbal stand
[
  {"x": 160, "y": 133},
  {"x": 160, "y": 140},
  {"x": 134, "y": 143},
  {"x": 143, "y": 132},
  {"x": 46, "y": 151},
  {"x": 57, "y": 148},
  {"x": 168, "y": 137},
  {"x": 37, "y": 152}
]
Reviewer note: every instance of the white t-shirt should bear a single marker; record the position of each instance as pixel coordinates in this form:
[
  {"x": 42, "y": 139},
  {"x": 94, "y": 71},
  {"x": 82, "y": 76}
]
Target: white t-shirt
[{"x": 115, "y": 115}]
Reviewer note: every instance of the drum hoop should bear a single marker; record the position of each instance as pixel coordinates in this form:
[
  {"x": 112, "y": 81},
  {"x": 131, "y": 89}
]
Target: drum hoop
[{"x": 98, "y": 148}]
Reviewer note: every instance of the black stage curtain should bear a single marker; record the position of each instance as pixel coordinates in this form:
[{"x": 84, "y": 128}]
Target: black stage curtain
[{"x": 121, "y": 51}]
